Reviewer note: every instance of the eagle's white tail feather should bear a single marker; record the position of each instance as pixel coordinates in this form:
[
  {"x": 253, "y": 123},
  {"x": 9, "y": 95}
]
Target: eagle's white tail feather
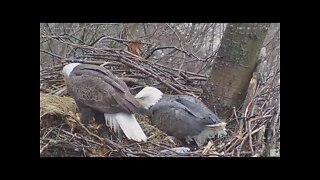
[
  {"x": 129, "y": 125},
  {"x": 111, "y": 122},
  {"x": 131, "y": 128}
]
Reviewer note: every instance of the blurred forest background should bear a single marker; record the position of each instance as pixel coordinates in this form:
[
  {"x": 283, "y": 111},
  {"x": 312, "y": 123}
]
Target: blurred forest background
[{"x": 233, "y": 68}]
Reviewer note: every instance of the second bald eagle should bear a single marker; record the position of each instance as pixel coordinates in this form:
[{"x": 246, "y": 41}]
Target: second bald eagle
[{"x": 181, "y": 116}]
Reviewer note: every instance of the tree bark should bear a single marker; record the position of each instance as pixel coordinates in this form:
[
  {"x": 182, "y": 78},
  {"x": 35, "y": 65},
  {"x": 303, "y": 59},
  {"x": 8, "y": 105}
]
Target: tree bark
[{"x": 231, "y": 73}]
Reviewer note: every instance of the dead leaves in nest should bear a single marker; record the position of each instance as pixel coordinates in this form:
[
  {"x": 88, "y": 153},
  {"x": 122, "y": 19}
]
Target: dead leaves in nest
[{"x": 135, "y": 48}]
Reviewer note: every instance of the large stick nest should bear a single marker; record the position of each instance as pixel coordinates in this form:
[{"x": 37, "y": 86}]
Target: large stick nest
[{"x": 62, "y": 134}]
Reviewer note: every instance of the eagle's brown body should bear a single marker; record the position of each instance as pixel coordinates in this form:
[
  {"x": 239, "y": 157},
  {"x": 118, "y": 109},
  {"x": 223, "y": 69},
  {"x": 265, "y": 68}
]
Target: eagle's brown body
[
  {"x": 100, "y": 94},
  {"x": 98, "y": 88}
]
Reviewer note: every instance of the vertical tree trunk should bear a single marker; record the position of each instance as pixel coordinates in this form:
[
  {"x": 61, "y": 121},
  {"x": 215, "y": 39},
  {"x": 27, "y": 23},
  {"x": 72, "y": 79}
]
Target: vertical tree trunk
[{"x": 227, "y": 85}]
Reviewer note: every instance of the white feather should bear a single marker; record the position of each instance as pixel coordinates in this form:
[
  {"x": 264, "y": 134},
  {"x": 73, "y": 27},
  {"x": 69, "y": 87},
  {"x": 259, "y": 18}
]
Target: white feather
[
  {"x": 128, "y": 124},
  {"x": 111, "y": 122},
  {"x": 149, "y": 96},
  {"x": 68, "y": 69}
]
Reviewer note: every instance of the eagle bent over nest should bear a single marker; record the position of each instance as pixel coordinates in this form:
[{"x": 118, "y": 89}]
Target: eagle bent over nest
[{"x": 101, "y": 95}]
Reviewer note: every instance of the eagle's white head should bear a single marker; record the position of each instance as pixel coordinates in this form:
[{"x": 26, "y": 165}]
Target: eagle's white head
[
  {"x": 149, "y": 96},
  {"x": 68, "y": 68}
]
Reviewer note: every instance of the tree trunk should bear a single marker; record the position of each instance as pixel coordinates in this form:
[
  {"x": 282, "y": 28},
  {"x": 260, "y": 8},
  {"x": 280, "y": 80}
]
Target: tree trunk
[{"x": 230, "y": 76}]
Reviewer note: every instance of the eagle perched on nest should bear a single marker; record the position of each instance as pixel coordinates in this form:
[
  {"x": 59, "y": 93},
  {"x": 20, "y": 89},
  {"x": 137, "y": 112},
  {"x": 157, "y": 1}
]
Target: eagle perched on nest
[
  {"x": 101, "y": 95},
  {"x": 181, "y": 116}
]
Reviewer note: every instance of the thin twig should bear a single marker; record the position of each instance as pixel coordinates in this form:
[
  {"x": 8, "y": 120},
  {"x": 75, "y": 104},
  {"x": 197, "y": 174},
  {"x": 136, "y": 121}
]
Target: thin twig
[
  {"x": 96, "y": 136},
  {"x": 52, "y": 54}
]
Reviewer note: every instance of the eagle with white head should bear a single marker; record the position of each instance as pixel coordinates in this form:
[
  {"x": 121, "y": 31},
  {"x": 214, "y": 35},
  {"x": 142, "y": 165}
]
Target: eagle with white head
[
  {"x": 101, "y": 95},
  {"x": 181, "y": 116}
]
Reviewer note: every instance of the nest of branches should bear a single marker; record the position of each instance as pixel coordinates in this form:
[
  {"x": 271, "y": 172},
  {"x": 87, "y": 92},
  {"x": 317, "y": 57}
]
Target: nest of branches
[{"x": 253, "y": 130}]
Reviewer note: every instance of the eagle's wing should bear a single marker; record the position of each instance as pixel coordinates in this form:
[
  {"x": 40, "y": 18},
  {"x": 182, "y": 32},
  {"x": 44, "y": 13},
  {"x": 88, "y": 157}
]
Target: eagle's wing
[
  {"x": 212, "y": 125},
  {"x": 198, "y": 109},
  {"x": 185, "y": 118},
  {"x": 98, "y": 71},
  {"x": 175, "y": 119},
  {"x": 99, "y": 89},
  {"x": 182, "y": 116}
]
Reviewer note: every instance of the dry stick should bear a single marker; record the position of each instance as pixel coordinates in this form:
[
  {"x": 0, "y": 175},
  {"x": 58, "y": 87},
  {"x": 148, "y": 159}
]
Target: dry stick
[
  {"x": 255, "y": 131},
  {"x": 101, "y": 139},
  {"x": 149, "y": 73},
  {"x": 173, "y": 47},
  {"x": 116, "y": 39},
  {"x": 154, "y": 65},
  {"x": 248, "y": 122},
  {"x": 236, "y": 117},
  {"x": 44, "y": 147},
  {"x": 131, "y": 155},
  {"x": 248, "y": 133},
  {"x": 235, "y": 140},
  {"x": 241, "y": 153},
  {"x": 246, "y": 137},
  {"x": 178, "y": 84},
  {"x": 195, "y": 79},
  {"x": 184, "y": 76},
  {"x": 249, "y": 129},
  {"x": 250, "y": 137},
  {"x": 51, "y": 68},
  {"x": 260, "y": 117},
  {"x": 162, "y": 68},
  {"x": 174, "y": 79},
  {"x": 140, "y": 153},
  {"x": 81, "y": 138},
  {"x": 54, "y": 55},
  {"x": 149, "y": 152},
  {"x": 187, "y": 72},
  {"x": 85, "y": 61},
  {"x": 275, "y": 119},
  {"x": 86, "y": 46},
  {"x": 60, "y": 91}
]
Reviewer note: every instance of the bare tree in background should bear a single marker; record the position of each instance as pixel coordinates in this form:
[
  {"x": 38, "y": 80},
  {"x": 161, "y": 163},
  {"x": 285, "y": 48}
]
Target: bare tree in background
[
  {"x": 186, "y": 46},
  {"x": 237, "y": 58}
]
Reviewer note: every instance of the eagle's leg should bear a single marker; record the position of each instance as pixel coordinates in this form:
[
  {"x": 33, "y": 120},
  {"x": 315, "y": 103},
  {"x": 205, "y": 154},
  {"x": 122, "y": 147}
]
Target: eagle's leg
[
  {"x": 103, "y": 131},
  {"x": 189, "y": 143},
  {"x": 192, "y": 145},
  {"x": 86, "y": 115},
  {"x": 99, "y": 117}
]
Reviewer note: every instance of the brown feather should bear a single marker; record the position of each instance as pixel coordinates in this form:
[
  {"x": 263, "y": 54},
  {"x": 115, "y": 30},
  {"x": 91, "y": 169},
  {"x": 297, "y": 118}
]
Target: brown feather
[{"x": 99, "y": 89}]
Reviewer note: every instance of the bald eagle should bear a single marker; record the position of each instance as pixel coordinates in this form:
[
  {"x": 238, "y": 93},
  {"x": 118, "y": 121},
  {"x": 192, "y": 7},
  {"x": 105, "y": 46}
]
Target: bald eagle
[
  {"x": 181, "y": 116},
  {"x": 100, "y": 94}
]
